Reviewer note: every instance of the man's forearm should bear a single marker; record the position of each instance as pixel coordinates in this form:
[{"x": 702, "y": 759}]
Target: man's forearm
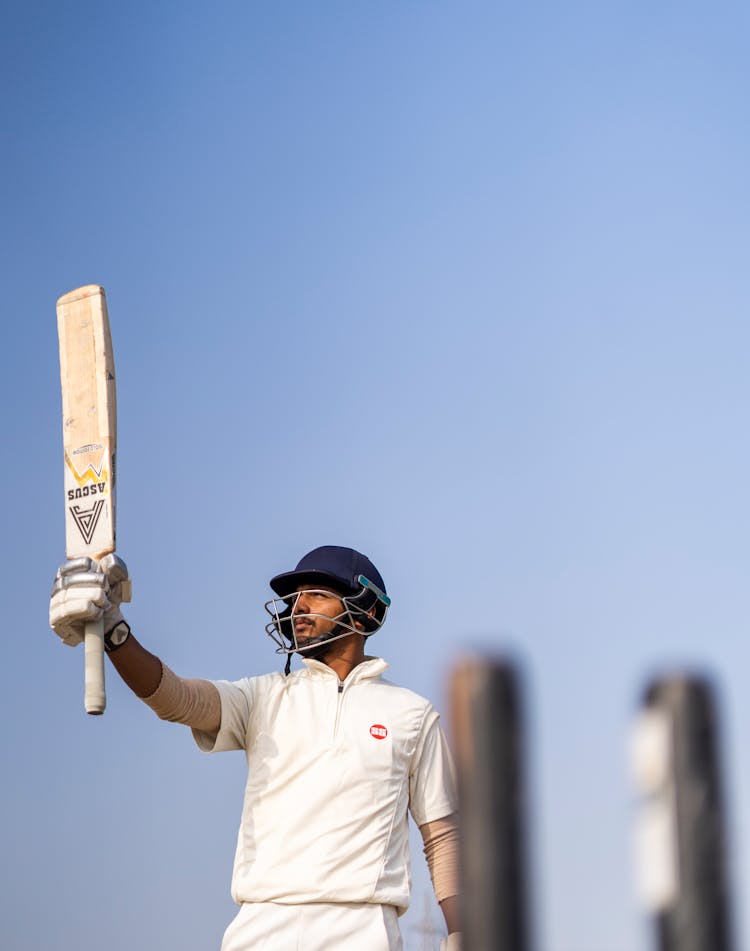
[
  {"x": 140, "y": 669},
  {"x": 441, "y": 850},
  {"x": 195, "y": 703}
]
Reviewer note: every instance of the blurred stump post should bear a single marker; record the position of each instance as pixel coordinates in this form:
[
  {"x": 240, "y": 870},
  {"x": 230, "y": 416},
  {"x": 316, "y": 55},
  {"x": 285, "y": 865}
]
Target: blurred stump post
[
  {"x": 681, "y": 836},
  {"x": 487, "y": 730}
]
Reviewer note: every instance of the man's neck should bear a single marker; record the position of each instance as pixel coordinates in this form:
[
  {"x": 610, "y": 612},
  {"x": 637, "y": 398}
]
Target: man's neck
[{"x": 344, "y": 655}]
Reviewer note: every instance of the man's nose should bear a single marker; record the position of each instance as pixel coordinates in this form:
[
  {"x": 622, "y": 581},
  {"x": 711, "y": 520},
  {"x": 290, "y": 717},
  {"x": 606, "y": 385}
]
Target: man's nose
[{"x": 302, "y": 605}]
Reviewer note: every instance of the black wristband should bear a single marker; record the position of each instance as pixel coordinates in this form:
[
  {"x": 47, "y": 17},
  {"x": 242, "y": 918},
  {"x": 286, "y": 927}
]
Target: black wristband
[{"x": 116, "y": 636}]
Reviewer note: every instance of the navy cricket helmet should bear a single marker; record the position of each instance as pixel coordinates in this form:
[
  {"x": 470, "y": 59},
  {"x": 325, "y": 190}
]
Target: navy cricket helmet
[
  {"x": 345, "y": 571},
  {"x": 331, "y": 566}
]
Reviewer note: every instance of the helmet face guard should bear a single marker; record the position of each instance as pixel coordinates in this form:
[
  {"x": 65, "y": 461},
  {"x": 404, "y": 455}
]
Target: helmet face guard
[{"x": 363, "y": 613}]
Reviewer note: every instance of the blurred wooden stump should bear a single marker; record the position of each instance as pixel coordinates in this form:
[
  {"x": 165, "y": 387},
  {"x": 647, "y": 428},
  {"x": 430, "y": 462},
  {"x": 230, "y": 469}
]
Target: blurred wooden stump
[
  {"x": 488, "y": 739},
  {"x": 681, "y": 837}
]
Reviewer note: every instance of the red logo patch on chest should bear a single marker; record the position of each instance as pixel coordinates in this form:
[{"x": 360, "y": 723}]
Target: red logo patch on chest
[{"x": 378, "y": 731}]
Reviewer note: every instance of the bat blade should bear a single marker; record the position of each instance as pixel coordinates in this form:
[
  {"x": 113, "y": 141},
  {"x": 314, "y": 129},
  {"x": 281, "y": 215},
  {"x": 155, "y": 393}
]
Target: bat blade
[{"x": 89, "y": 405}]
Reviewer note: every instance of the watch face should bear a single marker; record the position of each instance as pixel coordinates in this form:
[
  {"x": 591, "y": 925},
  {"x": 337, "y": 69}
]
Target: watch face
[
  {"x": 117, "y": 636},
  {"x": 120, "y": 632}
]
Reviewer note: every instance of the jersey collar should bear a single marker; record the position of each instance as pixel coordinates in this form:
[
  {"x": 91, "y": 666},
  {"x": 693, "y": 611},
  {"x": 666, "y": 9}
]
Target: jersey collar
[{"x": 370, "y": 669}]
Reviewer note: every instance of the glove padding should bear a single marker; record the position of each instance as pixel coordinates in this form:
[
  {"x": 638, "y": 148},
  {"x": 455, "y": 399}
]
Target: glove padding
[
  {"x": 452, "y": 942},
  {"x": 86, "y": 590}
]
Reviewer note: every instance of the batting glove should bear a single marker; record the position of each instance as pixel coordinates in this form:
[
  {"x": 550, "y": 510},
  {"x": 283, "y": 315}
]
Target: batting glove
[
  {"x": 452, "y": 942},
  {"x": 86, "y": 590}
]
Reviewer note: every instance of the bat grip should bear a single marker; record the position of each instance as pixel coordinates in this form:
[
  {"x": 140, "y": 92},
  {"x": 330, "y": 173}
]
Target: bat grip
[{"x": 95, "y": 695}]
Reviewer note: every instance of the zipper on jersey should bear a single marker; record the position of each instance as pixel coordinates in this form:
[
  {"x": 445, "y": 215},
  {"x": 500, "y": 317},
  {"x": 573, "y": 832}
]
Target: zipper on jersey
[{"x": 339, "y": 698}]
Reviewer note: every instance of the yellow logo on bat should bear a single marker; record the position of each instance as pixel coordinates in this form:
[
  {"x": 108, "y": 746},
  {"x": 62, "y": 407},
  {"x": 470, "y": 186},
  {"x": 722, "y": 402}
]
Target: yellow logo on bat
[{"x": 89, "y": 474}]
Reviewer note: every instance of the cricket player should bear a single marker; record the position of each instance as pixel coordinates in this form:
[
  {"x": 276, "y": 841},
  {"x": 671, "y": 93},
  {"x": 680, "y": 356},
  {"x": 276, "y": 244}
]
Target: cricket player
[{"x": 337, "y": 757}]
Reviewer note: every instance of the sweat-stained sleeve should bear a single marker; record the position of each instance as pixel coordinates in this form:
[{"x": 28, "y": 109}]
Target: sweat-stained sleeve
[{"x": 432, "y": 782}]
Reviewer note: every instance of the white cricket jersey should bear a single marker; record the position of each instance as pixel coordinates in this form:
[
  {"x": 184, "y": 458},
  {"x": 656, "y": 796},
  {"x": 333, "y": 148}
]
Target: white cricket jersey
[{"x": 332, "y": 770}]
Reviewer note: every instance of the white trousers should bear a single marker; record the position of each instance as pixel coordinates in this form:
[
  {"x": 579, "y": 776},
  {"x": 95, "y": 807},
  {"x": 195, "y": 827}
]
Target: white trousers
[{"x": 334, "y": 926}]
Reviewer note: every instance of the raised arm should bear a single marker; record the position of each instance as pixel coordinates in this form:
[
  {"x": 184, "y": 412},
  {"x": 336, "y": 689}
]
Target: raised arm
[
  {"x": 140, "y": 669},
  {"x": 196, "y": 703},
  {"x": 86, "y": 590}
]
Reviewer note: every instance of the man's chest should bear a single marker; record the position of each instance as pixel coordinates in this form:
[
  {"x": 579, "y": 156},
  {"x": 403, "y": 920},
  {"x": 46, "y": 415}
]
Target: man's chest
[{"x": 359, "y": 729}]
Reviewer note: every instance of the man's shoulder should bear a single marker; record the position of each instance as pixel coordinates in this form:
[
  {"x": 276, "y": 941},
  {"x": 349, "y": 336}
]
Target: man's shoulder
[
  {"x": 259, "y": 683},
  {"x": 403, "y": 695}
]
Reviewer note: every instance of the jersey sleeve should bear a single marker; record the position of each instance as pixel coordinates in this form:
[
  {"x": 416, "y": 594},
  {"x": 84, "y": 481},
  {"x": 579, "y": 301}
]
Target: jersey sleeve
[
  {"x": 236, "y": 707},
  {"x": 432, "y": 778}
]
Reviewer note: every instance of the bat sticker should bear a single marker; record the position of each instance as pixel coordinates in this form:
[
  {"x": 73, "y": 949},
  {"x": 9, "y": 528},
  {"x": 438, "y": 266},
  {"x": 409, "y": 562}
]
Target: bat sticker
[
  {"x": 86, "y": 519},
  {"x": 90, "y": 473}
]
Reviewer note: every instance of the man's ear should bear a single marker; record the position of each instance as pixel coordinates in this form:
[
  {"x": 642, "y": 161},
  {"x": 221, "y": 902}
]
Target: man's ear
[{"x": 370, "y": 613}]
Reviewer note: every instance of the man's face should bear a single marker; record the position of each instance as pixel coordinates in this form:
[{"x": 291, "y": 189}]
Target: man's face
[{"x": 314, "y": 600}]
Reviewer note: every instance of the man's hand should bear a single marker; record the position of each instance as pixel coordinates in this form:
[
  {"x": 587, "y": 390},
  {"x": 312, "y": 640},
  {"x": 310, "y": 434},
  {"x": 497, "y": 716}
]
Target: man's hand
[{"x": 85, "y": 590}]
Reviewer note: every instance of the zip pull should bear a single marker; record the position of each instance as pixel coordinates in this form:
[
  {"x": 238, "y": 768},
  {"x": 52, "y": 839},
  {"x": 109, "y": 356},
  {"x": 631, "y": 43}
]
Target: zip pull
[{"x": 341, "y": 687}]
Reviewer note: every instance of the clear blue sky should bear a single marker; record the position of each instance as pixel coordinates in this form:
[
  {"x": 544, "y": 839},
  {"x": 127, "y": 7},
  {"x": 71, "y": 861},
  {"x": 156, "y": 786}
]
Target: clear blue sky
[{"x": 462, "y": 285}]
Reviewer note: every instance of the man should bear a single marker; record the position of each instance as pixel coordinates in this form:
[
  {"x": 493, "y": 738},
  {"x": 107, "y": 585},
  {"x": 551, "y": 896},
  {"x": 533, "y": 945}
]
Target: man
[{"x": 336, "y": 755}]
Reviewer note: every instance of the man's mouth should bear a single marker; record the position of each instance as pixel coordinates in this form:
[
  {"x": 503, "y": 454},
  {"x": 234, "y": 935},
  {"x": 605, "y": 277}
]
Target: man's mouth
[{"x": 303, "y": 630}]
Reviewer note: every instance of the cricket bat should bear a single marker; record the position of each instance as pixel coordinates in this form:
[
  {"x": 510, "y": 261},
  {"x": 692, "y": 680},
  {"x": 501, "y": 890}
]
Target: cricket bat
[{"x": 89, "y": 410}]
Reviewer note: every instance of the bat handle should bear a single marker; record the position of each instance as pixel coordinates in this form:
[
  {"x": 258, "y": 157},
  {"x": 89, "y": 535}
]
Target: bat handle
[{"x": 95, "y": 695}]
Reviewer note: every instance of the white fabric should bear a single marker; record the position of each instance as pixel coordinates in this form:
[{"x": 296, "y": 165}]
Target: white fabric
[
  {"x": 338, "y": 926},
  {"x": 331, "y": 775}
]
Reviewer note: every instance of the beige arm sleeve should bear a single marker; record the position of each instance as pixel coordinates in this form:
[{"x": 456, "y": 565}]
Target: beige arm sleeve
[
  {"x": 193, "y": 702},
  {"x": 441, "y": 850}
]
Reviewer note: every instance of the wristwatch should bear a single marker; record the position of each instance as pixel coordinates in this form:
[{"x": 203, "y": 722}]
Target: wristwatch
[{"x": 115, "y": 638}]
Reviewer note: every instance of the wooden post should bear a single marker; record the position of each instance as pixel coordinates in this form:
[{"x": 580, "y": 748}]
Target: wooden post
[
  {"x": 682, "y": 838},
  {"x": 487, "y": 732}
]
